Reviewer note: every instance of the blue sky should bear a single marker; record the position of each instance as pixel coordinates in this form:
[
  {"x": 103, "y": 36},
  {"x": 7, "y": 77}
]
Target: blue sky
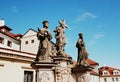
[{"x": 98, "y": 20}]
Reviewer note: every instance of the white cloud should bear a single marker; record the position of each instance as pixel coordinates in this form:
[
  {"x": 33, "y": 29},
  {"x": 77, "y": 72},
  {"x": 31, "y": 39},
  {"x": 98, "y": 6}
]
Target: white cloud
[
  {"x": 93, "y": 42},
  {"x": 95, "y": 39},
  {"x": 98, "y": 36},
  {"x": 85, "y": 16},
  {"x": 14, "y": 9}
]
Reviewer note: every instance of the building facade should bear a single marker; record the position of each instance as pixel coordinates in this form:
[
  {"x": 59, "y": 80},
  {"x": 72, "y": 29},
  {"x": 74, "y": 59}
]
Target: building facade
[
  {"x": 109, "y": 74},
  {"x": 7, "y": 38},
  {"x": 14, "y": 64}
]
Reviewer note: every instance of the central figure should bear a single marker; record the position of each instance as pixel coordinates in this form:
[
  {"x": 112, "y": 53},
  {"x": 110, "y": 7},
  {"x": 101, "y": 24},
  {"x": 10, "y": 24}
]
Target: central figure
[{"x": 60, "y": 37}]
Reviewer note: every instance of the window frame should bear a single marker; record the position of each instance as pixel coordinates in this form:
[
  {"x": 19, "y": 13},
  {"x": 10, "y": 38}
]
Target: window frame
[
  {"x": 32, "y": 41},
  {"x": 1, "y": 40},
  {"x": 9, "y": 43},
  {"x": 105, "y": 79},
  {"x": 26, "y": 42},
  {"x": 28, "y": 76},
  {"x": 113, "y": 79}
]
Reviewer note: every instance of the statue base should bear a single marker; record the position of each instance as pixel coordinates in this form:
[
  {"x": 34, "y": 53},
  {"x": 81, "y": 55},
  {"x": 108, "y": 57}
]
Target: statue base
[
  {"x": 81, "y": 68},
  {"x": 44, "y": 71},
  {"x": 82, "y": 73},
  {"x": 63, "y": 68}
]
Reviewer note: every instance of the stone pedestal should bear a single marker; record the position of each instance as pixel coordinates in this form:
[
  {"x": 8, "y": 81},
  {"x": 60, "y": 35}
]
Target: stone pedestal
[
  {"x": 63, "y": 69},
  {"x": 81, "y": 73},
  {"x": 45, "y": 71}
]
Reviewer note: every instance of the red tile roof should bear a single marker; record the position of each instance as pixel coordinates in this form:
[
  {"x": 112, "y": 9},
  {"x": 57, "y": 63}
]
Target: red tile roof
[
  {"x": 90, "y": 62},
  {"x": 8, "y": 33},
  {"x": 109, "y": 69},
  {"x": 5, "y": 27}
]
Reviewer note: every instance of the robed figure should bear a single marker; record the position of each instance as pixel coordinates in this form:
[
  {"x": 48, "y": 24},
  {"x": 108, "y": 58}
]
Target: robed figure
[
  {"x": 60, "y": 37},
  {"x": 44, "y": 36},
  {"x": 82, "y": 53}
]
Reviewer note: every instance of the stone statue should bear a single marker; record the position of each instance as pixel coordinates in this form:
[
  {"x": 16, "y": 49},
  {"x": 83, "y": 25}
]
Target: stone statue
[
  {"x": 60, "y": 36},
  {"x": 53, "y": 51},
  {"x": 82, "y": 53},
  {"x": 44, "y": 36}
]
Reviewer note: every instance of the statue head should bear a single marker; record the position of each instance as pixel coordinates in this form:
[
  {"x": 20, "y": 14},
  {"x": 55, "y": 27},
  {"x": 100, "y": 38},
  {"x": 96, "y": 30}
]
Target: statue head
[
  {"x": 45, "y": 23},
  {"x": 81, "y": 35},
  {"x": 63, "y": 24}
]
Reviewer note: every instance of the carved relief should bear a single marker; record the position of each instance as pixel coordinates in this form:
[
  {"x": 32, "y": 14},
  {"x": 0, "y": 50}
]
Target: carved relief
[
  {"x": 63, "y": 75},
  {"x": 44, "y": 77},
  {"x": 53, "y": 51},
  {"x": 83, "y": 78}
]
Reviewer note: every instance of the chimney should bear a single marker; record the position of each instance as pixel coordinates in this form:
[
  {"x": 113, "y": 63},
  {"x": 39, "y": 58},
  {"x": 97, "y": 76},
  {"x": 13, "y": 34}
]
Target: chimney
[{"x": 2, "y": 22}]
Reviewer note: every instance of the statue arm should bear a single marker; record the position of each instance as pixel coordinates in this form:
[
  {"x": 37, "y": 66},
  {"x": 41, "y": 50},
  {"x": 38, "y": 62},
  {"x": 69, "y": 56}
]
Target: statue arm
[
  {"x": 49, "y": 35},
  {"x": 78, "y": 44},
  {"x": 40, "y": 34}
]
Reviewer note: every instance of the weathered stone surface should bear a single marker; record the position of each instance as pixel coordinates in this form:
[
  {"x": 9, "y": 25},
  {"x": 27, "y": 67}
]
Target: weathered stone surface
[
  {"x": 82, "y": 53},
  {"x": 44, "y": 36}
]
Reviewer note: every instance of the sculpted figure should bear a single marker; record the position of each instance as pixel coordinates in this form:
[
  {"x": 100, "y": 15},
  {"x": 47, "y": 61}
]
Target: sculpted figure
[
  {"x": 60, "y": 36},
  {"x": 82, "y": 53},
  {"x": 44, "y": 36},
  {"x": 53, "y": 51}
]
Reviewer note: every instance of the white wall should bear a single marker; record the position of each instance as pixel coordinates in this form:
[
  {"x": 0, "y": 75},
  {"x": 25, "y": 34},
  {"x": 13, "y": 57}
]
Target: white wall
[
  {"x": 15, "y": 43},
  {"x": 94, "y": 78},
  {"x": 13, "y": 71},
  {"x": 30, "y": 47},
  {"x": 109, "y": 79}
]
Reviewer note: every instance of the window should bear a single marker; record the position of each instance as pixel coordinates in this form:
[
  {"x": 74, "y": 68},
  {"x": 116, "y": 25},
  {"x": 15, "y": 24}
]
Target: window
[
  {"x": 26, "y": 42},
  {"x": 105, "y": 73},
  {"x": 9, "y": 43},
  {"x": 3, "y": 30},
  {"x": 116, "y": 72},
  {"x": 32, "y": 41},
  {"x": 105, "y": 79},
  {"x": 117, "y": 79},
  {"x": 28, "y": 76},
  {"x": 1, "y": 40},
  {"x": 113, "y": 79}
]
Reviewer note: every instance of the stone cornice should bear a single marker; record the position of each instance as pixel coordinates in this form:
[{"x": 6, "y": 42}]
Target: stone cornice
[
  {"x": 1, "y": 65},
  {"x": 16, "y": 55}
]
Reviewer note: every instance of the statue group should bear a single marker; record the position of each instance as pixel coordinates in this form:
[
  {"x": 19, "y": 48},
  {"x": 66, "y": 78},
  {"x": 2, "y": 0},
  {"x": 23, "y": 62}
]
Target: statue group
[{"x": 45, "y": 50}]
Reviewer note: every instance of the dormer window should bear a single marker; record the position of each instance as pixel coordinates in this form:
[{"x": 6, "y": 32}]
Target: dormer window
[
  {"x": 105, "y": 73},
  {"x": 116, "y": 72},
  {"x": 3, "y": 30}
]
